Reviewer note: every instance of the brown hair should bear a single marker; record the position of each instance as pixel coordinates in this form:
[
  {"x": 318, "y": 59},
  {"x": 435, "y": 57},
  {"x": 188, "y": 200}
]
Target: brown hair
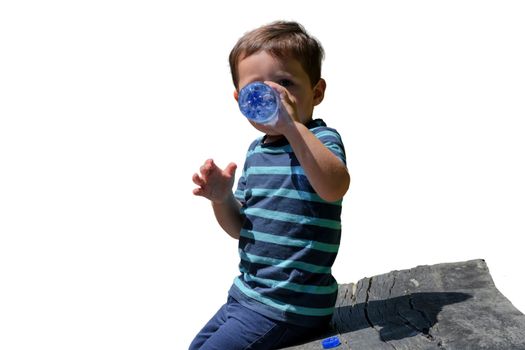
[{"x": 280, "y": 39}]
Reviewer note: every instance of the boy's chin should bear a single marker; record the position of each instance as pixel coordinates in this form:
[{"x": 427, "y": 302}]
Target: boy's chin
[{"x": 264, "y": 129}]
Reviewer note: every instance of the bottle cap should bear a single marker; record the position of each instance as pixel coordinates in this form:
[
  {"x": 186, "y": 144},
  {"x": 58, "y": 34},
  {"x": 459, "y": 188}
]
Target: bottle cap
[{"x": 331, "y": 342}]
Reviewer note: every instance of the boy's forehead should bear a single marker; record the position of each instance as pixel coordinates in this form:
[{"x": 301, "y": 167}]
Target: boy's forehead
[{"x": 265, "y": 61}]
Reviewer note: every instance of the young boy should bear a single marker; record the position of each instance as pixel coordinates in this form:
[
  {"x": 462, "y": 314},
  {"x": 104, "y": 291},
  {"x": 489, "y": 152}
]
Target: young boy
[{"x": 286, "y": 209}]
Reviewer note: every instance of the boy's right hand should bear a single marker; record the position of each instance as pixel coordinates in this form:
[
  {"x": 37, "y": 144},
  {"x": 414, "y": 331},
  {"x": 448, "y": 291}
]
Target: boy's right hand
[{"x": 214, "y": 183}]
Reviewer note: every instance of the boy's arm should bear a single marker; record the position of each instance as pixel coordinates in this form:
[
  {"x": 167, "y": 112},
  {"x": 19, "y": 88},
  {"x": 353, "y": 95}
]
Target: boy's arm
[
  {"x": 327, "y": 174},
  {"x": 228, "y": 216},
  {"x": 216, "y": 185}
]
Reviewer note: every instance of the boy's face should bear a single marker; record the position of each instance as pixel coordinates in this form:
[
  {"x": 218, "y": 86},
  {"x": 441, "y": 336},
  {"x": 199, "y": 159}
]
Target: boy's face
[{"x": 287, "y": 72}]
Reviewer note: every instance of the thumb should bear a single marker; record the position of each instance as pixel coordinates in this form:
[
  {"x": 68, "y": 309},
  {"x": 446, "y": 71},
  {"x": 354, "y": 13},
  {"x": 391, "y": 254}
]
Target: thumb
[{"x": 230, "y": 169}]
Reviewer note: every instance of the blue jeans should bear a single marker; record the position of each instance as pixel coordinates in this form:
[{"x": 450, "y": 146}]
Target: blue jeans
[{"x": 235, "y": 327}]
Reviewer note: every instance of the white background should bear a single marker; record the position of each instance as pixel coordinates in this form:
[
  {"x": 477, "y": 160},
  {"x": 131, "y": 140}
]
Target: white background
[{"x": 108, "y": 107}]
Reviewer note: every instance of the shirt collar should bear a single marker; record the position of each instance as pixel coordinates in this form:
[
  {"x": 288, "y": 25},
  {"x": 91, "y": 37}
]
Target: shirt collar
[{"x": 313, "y": 123}]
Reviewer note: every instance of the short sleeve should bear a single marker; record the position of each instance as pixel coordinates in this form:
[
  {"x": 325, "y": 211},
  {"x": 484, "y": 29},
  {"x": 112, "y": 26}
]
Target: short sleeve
[
  {"x": 240, "y": 192},
  {"x": 241, "y": 186},
  {"x": 332, "y": 140}
]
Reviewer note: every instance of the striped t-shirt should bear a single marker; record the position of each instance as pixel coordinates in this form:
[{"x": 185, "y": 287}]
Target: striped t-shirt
[{"x": 290, "y": 236}]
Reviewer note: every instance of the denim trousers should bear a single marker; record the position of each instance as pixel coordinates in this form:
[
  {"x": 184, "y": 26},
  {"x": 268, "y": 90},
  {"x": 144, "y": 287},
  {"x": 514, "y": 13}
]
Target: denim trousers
[{"x": 235, "y": 327}]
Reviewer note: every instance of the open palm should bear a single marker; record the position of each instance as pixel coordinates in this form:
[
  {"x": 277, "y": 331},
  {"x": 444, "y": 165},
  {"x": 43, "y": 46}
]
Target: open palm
[{"x": 214, "y": 183}]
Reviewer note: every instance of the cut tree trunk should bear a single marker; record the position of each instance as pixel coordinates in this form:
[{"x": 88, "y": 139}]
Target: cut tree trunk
[{"x": 452, "y": 306}]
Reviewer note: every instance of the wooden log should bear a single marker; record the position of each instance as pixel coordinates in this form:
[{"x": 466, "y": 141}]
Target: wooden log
[{"x": 452, "y": 306}]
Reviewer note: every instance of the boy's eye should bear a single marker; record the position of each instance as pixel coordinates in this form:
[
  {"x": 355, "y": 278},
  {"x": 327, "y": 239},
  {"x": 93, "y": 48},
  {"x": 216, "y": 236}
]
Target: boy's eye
[{"x": 285, "y": 82}]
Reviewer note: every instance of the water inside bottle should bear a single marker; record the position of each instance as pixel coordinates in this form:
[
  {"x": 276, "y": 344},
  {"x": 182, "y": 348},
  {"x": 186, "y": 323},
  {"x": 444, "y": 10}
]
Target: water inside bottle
[{"x": 259, "y": 102}]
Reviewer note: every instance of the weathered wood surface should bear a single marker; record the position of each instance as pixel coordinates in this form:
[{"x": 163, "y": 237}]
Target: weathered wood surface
[{"x": 453, "y": 306}]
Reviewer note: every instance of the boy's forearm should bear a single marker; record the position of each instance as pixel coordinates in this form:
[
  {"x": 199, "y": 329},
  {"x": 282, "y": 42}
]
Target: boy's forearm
[
  {"x": 327, "y": 174},
  {"x": 228, "y": 216}
]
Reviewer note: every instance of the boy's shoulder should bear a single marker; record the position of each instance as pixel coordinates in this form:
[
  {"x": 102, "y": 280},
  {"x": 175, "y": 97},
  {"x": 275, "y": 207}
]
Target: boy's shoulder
[
  {"x": 318, "y": 126},
  {"x": 255, "y": 143}
]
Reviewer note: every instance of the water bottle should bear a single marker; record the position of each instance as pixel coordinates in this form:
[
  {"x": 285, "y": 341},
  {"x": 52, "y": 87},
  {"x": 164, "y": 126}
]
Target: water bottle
[{"x": 259, "y": 102}]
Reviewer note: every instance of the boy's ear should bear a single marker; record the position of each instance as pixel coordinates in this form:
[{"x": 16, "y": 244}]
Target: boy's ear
[
  {"x": 319, "y": 90},
  {"x": 236, "y": 95}
]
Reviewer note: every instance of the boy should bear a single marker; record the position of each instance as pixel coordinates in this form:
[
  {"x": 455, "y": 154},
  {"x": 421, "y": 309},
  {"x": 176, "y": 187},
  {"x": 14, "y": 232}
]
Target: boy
[{"x": 286, "y": 209}]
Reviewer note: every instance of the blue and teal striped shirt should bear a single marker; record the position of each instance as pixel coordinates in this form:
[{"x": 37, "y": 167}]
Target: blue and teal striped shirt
[{"x": 290, "y": 235}]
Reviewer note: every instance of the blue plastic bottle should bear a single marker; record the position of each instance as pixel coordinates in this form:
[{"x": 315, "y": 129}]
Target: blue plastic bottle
[{"x": 259, "y": 102}]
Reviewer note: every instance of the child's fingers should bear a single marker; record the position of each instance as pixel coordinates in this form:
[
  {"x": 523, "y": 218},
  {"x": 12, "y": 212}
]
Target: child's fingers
[
  {"x": 287, "y": 100},
  {"x": 197, "y": 180},
  {"x": 280, "y": 89},
  {"x": 230, "y": 169},
  {"x": 283, "y": 93},
  {"x": 207, "y": 168},
  {"x": 198, "y": 192},
  {"x": 204, "y": 169}
]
